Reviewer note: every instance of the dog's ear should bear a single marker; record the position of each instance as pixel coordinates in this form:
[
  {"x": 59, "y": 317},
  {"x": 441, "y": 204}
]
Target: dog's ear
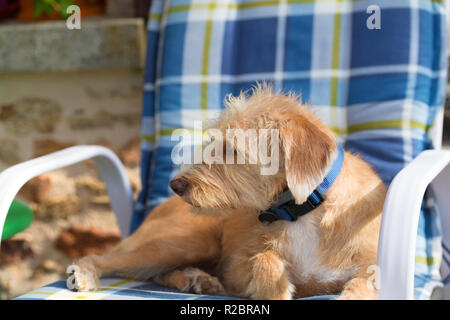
[{"x": 309, "y": 150}]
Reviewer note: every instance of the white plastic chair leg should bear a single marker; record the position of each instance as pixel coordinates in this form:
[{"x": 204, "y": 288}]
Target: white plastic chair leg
[
  {"x": 441, "y": 191},
  {"x": 398, "y": 234},
  {"x": 109, "y": 165}
]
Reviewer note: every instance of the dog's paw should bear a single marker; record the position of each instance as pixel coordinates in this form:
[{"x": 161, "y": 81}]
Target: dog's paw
[
  {"x": 359, "y": 289},
  {"x": 203, "y": 283},
  {"x": 191, "y": 280},
  {"x": 81, "y": 279}
]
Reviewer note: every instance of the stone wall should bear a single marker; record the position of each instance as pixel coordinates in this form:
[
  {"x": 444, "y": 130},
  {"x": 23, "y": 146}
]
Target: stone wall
[
  {"x": 61, "y": 87},
  {"x": 44, "y": 112}
]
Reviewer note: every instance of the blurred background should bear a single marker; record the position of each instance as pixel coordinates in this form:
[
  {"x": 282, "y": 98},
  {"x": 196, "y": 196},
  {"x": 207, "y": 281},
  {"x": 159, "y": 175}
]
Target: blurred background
[{"x": 60, "y": 88}]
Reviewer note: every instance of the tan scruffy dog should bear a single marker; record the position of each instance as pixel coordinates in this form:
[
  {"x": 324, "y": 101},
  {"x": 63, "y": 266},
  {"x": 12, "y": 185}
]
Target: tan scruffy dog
[{"x": 209, "y": 238}]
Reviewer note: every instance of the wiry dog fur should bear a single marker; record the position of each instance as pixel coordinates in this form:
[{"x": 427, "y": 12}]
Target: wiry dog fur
[{"x": 211, "y": 241}]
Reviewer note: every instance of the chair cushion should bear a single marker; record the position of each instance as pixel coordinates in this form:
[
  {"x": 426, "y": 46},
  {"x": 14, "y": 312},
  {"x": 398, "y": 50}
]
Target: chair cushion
[
  {"x": 120, "y": 289},
  {"x": 378, "y": 89},
  {"x": 113, "y": 289}
]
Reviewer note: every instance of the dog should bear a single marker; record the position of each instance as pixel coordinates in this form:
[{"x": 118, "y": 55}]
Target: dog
[{"x": 218, "y": 235}]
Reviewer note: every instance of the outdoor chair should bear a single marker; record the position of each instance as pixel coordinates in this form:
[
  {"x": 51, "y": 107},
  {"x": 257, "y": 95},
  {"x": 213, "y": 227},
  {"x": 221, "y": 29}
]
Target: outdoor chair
[{"x": 382, "y": 91}]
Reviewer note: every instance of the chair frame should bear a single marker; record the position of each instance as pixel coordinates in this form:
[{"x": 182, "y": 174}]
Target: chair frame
[{"x": 111, "y": 170}]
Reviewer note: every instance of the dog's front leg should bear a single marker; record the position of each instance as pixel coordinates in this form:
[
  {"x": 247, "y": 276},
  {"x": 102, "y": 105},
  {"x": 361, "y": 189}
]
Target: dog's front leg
[
  {"x": 169, "y": 237},
  {"x": 142, "y": 263},
  {"x": 263, "y": 276},
  {"x": 269, "y": 279}
]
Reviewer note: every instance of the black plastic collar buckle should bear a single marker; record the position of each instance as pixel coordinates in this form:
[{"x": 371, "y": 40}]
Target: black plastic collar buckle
[
  {"x": 267, "y": 217},
  {"x": 294, "y": 210},
  {"x": 310, "y": 204}
]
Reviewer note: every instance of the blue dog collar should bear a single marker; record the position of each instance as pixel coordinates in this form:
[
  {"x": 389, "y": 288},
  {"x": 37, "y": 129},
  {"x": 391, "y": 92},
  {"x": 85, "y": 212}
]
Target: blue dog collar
[{"x": 285, "y": 208}]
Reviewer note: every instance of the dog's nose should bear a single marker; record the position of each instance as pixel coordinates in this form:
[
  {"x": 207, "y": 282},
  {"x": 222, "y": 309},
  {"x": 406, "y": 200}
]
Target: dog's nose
[{"x": 179, "y": 186}]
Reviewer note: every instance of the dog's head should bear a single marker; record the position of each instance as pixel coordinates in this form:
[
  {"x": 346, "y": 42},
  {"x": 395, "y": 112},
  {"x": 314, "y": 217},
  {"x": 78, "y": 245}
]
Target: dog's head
[{"x": 285, "y": 144}]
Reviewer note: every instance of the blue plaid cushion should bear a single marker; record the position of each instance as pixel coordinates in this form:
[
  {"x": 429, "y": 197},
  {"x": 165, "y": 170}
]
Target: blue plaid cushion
[
  {"x": 114, "y": 289},
  {"x": 379, "y": 89},
  {"x": 120, "y": 289}
]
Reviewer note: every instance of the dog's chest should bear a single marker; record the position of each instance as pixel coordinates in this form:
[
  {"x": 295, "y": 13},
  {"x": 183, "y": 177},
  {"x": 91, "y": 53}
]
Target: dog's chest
[{"x": 303, "y": 255}]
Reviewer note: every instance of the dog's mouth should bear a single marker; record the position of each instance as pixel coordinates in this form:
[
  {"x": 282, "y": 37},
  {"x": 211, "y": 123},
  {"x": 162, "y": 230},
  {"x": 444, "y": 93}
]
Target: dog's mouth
[
  {"x": 208, "y": 207},
  {"x": 186, "y": 198},
  {"x": 189, "y": 201},
  {"x": 210, "y": 211}
]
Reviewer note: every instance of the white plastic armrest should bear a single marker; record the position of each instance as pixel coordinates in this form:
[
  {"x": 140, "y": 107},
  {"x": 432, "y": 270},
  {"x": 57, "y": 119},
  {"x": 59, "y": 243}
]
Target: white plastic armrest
[
  {"x": 110, "y": 167},
  {"x": 397, "y": 243}
]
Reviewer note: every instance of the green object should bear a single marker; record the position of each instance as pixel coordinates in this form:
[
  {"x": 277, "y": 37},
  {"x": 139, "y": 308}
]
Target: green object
[
  {"x": 18, "y": 219},
  {"x": 50, "y": 6}
]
